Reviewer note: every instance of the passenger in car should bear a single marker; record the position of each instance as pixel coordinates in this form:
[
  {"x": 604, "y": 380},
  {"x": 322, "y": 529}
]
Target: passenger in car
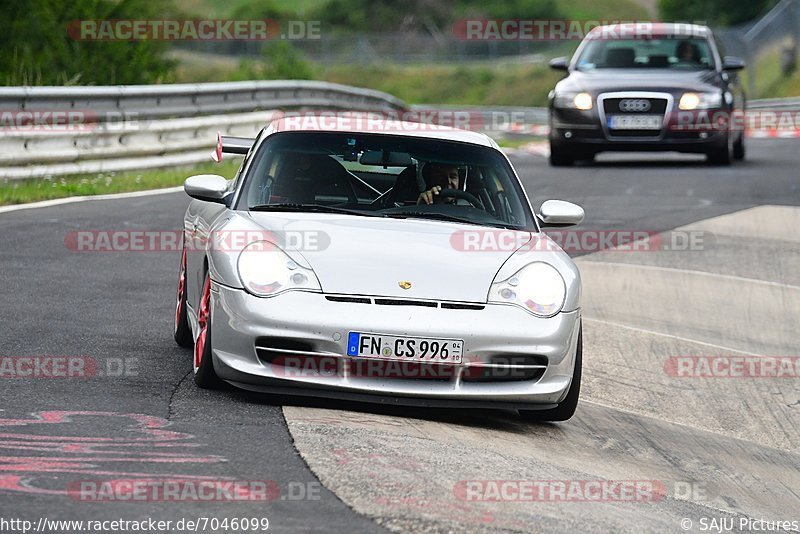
[
  {"x": 687, "y": 52},
  {"x": 304, "y": 176}
]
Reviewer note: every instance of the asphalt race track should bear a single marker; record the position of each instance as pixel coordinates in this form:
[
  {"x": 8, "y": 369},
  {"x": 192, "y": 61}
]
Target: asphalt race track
[{"x": 721, "y": 447}]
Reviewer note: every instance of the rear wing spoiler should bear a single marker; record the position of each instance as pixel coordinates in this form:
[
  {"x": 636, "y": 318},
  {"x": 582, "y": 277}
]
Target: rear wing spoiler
[{"x": 227, "y": 144}]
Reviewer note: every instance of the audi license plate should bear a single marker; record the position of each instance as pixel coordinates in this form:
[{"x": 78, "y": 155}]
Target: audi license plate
[
  {"x": 635, "y": 122},
  {"x": 420, "y": 349}
]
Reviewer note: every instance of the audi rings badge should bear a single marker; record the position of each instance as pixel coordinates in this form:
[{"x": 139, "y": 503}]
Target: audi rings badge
[{"x": 634, "y": 105}]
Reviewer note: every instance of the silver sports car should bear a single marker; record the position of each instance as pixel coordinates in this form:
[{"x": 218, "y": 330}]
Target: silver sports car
[{"x": 379, "y": 261}]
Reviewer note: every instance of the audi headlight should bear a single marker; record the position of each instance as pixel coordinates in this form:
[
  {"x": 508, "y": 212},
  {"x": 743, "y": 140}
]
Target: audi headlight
[
  {"x": 538, "y": 287},
  {"x": 265, "y": 270},
  {"x": 582, "y": 101},
  {"x": 692, "y": 101}
]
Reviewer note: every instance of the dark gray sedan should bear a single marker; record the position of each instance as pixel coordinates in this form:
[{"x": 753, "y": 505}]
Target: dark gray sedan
[{"x": 647, "y": 87}]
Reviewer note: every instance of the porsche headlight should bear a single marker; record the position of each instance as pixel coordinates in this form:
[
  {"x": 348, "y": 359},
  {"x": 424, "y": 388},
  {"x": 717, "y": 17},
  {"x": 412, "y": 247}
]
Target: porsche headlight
[
  {"x": 692, "y": 101},
  {"x": 569, "y": 100},
  {"x": 265, "y": 270},
  {"x": 538, "y": 287}
]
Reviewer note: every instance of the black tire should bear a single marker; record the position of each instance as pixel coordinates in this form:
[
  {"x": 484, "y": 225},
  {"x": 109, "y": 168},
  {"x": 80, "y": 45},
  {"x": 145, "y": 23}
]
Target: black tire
[
  {"x": 738, "y": 149},
  {"x": 721, "y": 156},
  {"x": 560, "y": 157},
  {"x": 204, "y": 374},
  {"x": 566, "y": 408},
  {"x": 182, "y": 332}
]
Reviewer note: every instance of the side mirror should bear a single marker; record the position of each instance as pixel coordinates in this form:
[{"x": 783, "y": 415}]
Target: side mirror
[
  {"x": 560, "y": 213},
  {"x": 731, "y": 63},
  {"x": 559, "y": 63},
  {"x": 208, "y": 187}
]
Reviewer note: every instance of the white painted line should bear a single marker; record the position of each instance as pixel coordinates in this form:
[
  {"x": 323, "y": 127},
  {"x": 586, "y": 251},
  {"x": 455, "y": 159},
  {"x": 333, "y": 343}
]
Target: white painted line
[
  {"x": 70, "y": 200},
  {"x": 671, "y": 336},
  {"x": 693, "y": 272}
]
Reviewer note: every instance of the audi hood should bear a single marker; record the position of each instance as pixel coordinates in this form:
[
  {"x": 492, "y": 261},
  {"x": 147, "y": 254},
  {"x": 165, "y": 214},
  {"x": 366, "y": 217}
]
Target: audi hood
[{"x": 609, "y": 80}]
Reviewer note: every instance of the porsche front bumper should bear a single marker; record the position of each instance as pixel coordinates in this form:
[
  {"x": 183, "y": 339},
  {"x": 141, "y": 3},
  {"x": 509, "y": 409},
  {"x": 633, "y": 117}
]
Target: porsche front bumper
[{"x": 295, "y": 343}]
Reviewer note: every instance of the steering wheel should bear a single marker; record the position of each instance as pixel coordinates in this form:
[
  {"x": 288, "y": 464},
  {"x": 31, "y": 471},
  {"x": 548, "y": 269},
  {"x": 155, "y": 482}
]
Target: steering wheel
[{"x": 456, "y": 193}]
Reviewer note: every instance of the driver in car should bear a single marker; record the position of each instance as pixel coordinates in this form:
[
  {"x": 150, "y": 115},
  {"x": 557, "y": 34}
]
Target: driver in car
[{"x": 438, "y": 176}]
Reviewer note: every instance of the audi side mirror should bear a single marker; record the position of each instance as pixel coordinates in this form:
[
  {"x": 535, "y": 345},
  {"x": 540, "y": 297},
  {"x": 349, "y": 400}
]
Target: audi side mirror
[
  {"x": 559, "y": 63},
  {"x": 731, "y": 63}
]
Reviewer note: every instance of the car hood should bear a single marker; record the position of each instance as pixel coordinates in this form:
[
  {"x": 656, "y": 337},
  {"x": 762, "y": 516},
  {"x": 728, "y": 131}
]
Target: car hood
[
  {"x": 371, "y": 256},
  {"x": 606, "y": 80}
]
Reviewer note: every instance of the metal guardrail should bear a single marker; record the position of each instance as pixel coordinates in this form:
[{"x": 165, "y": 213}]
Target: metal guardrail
[
  {"x": 777, "y": 31},
  {"x": 190, "y": 100},
  {"x": 137, "y": 127},
  {"x": 774, "y": 104},
  {"x": 108, "y": 147}
]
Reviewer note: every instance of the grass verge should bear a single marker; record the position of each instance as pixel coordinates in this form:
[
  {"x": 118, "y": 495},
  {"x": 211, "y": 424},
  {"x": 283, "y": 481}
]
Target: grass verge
[
  {"x": 33, "y": 190},
  {"x": 502, "y": 83},
  {"x": 770, "y": 81}
]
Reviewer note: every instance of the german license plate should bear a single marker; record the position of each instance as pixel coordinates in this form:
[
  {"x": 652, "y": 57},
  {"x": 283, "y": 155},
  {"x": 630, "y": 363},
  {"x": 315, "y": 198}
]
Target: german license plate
[
  {"x": 420, "y": 349},
  {"x": 635, "y": 122}
]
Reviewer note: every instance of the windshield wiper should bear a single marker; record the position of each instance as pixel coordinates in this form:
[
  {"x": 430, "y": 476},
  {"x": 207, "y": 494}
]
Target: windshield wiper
[
  {"x": 440, "y": 217},
  {"x": 312, "y": 208}
]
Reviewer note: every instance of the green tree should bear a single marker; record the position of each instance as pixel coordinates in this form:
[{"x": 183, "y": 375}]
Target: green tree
[
  {"x": 716, "y": 12},
  {"x": 38, "y": 48},
  {"x": 513, "y": 9},
  {"x": 372, "y": 16}
]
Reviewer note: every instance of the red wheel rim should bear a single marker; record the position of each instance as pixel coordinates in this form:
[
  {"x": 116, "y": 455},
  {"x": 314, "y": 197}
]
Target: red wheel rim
[
  {"x": 202, "y": 323},
  {"x": 181, "y": 289}
]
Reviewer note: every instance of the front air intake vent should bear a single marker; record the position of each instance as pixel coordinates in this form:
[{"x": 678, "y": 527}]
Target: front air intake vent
[
  {"x": 507, "y": 368},
  {"x": 405, "y": 302},
  {"x": 459, "y": 306},
  {"x": 354, "y": 300}
]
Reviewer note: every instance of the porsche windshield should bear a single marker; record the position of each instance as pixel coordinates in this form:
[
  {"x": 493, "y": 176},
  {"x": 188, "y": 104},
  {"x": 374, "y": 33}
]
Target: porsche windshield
[
  {"x": 385, "y": 176},
  {"x": 678, "y": 53}
]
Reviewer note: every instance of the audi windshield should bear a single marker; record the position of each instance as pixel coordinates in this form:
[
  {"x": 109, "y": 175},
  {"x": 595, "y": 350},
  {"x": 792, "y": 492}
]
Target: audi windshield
[{"x": 678, "y": 53}]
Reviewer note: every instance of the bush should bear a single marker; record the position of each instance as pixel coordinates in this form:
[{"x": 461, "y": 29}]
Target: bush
[
  {"x": 284, "y": 62},
  {"x": 281, "y": 62},
  {"x": 36, "y": 48},
  {"x": 371, "y": 16},
  {"x": 717, "y": 12}
]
